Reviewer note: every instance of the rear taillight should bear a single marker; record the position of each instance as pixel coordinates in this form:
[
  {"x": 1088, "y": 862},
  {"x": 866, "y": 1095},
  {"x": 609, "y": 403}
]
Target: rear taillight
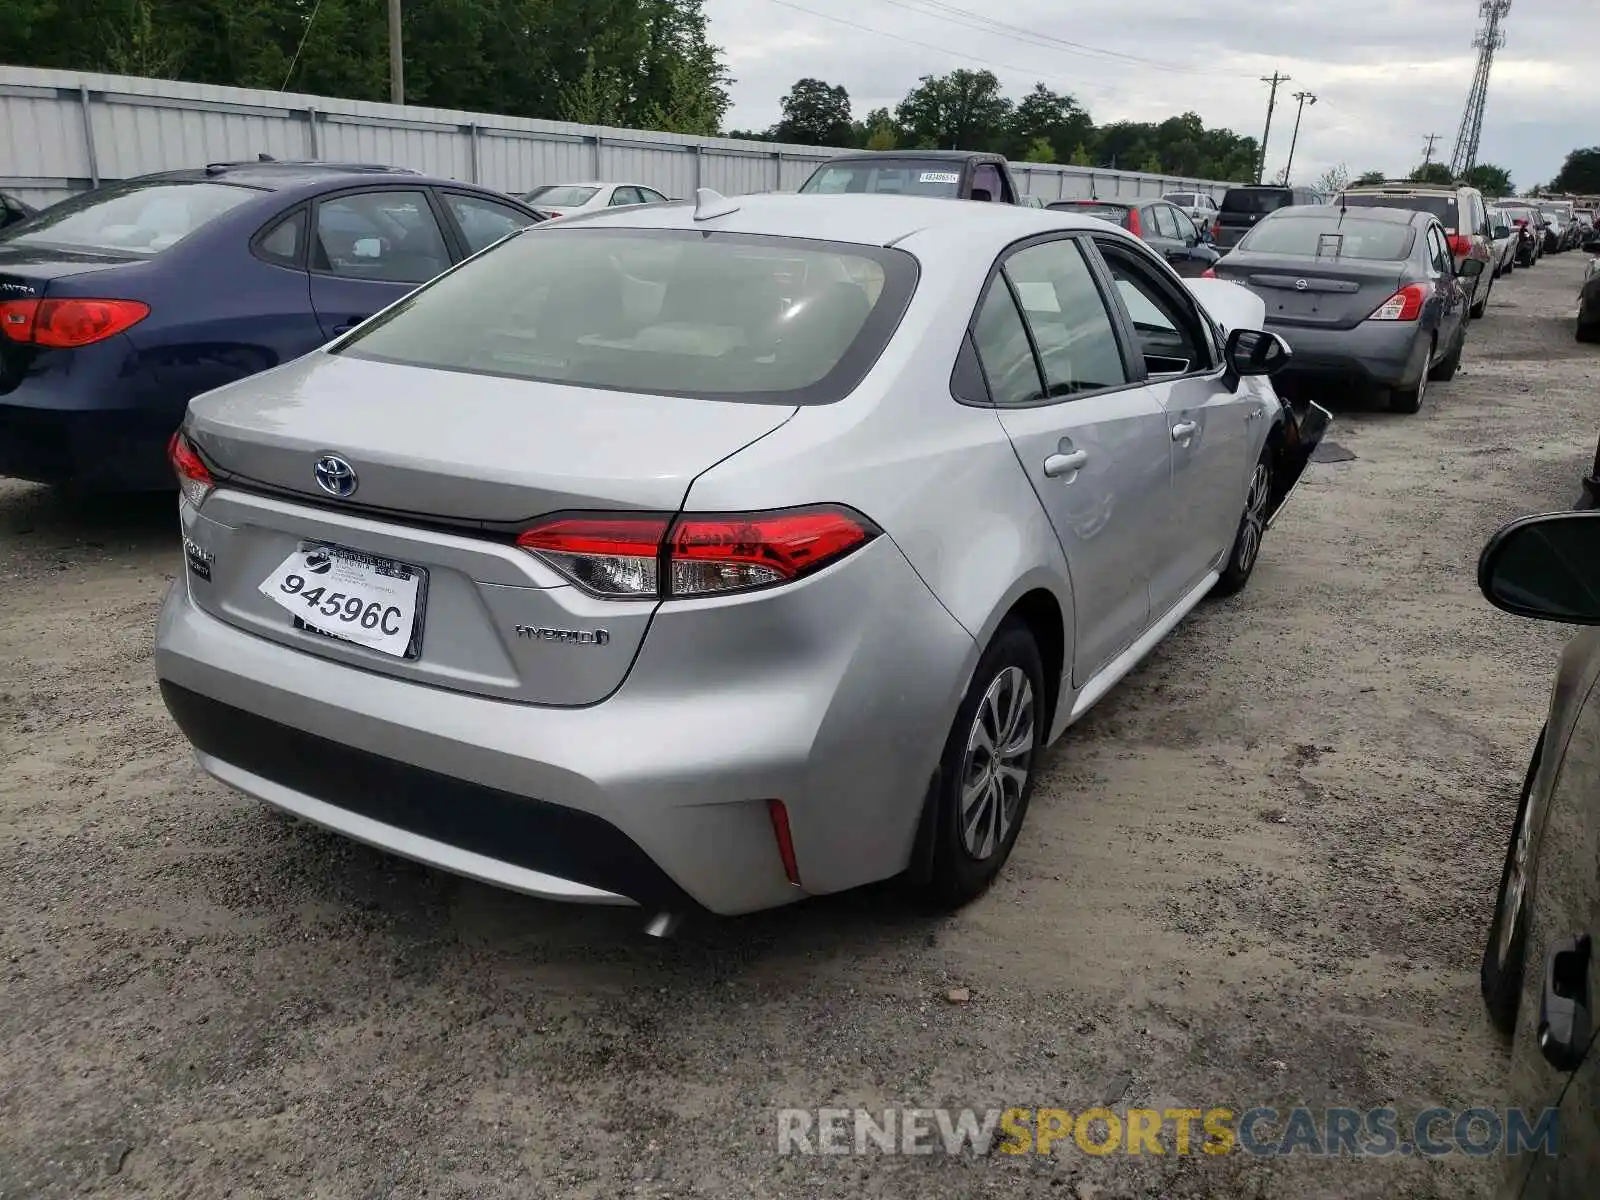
[
  {"x": 1216, "y": 228},
  {"x": 1460, "y": 244},
  {"x": 1404, "y": 305},
  {"x": 1132, "y": 223},
  {"x": 649, "y": 556},
  {"x": 194, "y": 478},
  {"x": 68, "y": 324},
  {"x": 1208, "y": 273}
]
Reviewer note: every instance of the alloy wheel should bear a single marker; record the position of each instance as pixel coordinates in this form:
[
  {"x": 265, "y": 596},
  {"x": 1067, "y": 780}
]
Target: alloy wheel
[
  {"x": 994, "y": 771},
  {"x": 1255, "y": 516},
  {"x": 1516, "y": 885}
]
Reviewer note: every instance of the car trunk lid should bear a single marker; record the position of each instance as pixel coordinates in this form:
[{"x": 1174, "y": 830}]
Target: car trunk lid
[
  {"x": 32, "y": 273},
  {"x": 1330, "y": 293},
  {"x": 447, "y": 468}
]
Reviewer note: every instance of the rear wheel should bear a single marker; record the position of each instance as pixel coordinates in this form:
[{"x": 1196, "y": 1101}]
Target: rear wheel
[
  {"x": 1445, "y": 370},
  {"x": 1588, "y": 326},
  {"x": 1500, "y": 975},
  {"x": 987, "y": 772},
  {"x": 1409, "y": 400}
]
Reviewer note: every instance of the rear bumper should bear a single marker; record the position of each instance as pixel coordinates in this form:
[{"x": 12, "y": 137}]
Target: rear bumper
[
  {"x": 97, "y": 417},
  {"x": 656, "y": 796},
  {"x": 116, "y": 450},
  {"x": 1382, "y": 353}
]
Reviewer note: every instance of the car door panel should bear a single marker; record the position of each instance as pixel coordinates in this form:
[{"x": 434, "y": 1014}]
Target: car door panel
[
  {"x": 1094, "y": 447},
  {"x": 369, "y": 249},
  {"x": 1209, "y": 424},
  {"x": 1562, "y": 903}
]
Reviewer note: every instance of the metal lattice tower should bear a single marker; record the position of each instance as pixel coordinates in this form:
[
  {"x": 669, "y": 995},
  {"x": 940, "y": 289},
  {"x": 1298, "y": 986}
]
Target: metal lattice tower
[{"x": 1489, "y": 39}]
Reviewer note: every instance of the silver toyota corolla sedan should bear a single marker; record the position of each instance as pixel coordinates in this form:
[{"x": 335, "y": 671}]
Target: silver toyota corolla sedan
[{"x": 718, "y": 553}]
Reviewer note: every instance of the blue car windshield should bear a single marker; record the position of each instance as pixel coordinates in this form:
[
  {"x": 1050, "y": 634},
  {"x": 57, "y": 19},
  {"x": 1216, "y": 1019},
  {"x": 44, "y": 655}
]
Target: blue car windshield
[{"x": 136, "y": 218}]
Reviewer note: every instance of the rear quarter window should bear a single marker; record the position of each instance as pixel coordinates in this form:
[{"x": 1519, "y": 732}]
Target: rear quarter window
[{"x": 718, "y": 316}]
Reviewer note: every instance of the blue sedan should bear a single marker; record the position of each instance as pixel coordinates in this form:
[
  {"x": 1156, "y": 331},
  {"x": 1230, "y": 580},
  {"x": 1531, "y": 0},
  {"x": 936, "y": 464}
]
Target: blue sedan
[{"x": 119, "y": 305}]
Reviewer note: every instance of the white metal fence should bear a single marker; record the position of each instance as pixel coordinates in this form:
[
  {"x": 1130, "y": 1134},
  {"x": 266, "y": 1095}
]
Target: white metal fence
[{"x": 62, "y": 132}]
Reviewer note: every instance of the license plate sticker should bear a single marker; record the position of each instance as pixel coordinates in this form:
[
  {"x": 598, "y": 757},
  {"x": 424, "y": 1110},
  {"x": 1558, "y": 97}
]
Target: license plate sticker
[{"x": 354, "y": 597}]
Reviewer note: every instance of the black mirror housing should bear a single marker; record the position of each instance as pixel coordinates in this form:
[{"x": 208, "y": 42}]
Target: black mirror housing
[
  {"x": 1256, "y": 352},
  {"x": 1501, "y": 231},
  {"x": 1547, "y": 567},
  {"x": 1470, "y": 268}
]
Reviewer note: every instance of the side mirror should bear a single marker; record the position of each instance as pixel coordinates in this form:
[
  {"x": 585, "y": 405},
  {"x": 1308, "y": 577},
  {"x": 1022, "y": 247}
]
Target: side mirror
[
  {"x": 1470, "y": 268},
  {"x": 1546, "y": 567},
  {"x": 1256, "y": 352},
  {"x": 1501, "y": 231}
]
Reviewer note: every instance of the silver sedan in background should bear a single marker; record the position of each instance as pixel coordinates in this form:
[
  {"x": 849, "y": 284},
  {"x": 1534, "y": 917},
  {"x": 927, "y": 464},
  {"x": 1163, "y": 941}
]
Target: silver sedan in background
[
  {"x": 564, "y": 199},
  {"x": 719, "y": 554}
]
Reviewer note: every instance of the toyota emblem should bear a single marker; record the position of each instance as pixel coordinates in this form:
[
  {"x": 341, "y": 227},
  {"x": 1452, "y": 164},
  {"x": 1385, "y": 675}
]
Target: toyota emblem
[
  {"x": 1300, "y": 285},
  {"x": 335, "y": 476}
]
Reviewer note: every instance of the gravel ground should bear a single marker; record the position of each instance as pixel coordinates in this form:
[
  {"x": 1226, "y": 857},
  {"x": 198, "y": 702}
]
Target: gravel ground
[{"x": 1258, "y": 873}]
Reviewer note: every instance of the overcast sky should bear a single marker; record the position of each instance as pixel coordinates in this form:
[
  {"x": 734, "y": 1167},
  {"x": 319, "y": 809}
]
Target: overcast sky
[{"x": 1386, "y": 72}]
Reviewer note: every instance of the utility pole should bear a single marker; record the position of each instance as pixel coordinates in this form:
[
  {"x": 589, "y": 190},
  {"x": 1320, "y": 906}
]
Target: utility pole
[
  {"x": 1427, "y": 154},
  {"x": 1272, "y": 99},
  {"x": 397, "y": 63},
  {"x": 1304, "y": 98}
]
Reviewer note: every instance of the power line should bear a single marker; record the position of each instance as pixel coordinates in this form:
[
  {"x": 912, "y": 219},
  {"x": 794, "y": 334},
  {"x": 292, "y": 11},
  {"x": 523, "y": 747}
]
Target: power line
[
  {"x": 966, "y": 18},
  {"x": 303, "y": 36},
  {"x": 1078, "y": 85},
  {"x": 1275, "y": 79}
]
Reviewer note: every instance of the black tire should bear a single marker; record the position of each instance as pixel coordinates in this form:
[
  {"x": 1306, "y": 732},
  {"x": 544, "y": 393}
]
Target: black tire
[
  {"x": 1588, "y": 328},
  {"x": 1246, "y": 549},
  {"x": 1478, "y": 309},
  {"x": 1500, "y": 975},
  {"x": 1445, "y": 370},
  {"x": 959, "y": 874},
  {"x": 1409, "y": 400}
]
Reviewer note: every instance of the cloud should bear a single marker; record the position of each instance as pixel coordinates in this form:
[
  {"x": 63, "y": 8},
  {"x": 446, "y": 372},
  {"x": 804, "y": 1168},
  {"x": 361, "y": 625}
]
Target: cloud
[{"x": 1386, "y": 72}]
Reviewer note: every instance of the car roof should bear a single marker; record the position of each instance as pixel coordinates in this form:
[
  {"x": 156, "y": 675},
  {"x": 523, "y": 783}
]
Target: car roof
[
  {"x": 594, "y": 183},
  {"x": 866, "y": 219},
  {"x": 952, "y": 155},
  {"x": 1409, "y": 187},
  {"x": 1395, "y": 216},
  {"x": 1107, "y": 203}
]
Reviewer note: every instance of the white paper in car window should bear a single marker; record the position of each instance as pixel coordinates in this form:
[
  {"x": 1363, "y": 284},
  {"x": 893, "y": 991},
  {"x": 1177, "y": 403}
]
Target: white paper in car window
[{"x": 939, "y": 177}]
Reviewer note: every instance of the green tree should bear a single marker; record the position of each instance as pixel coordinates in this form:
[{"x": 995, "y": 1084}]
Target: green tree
[
  {"x": 814, "y": 114},
  {"x": 1043, "y": 114},
  {"x": 1432, "y": 172},
  {"x": 1039, "y": 152},
  {"x": 963, "y": 110},
  {"x": 1580, "y": 173},
  {"x": 1367, "y": 178},
  {"x": 878, "y": 131},
  {"x": 1080, "y": 156},
  {"x": 1490, "y": 180}
]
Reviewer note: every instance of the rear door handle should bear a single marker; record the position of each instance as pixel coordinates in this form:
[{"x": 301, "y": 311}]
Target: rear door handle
[
  {"x": 350, "y": 324},
  {"x": 1564, "y": 1015},
  {"x": 1184, "y": 430},
  {"x": 1070, "y": 463}
]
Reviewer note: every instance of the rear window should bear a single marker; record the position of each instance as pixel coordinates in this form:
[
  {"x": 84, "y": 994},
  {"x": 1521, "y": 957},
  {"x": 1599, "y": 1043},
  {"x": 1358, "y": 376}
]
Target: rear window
[
  {"x": 136, "y": 219},
  {"x": 1117, "y": 214},
  {"x": 1317, "y": 237},
  {"x": 1256, "y": 200},
  {"x": 561, "y": 195},
  {"x": 1180, "y": 198},
  {"x": 716, "y": 315},
  {"x": 1443, "y": 207},
  {"x": 901, "y": 177}
]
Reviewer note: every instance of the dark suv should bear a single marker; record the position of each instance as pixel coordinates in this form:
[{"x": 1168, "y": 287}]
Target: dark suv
[{"x": 1242, "y": 207}]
